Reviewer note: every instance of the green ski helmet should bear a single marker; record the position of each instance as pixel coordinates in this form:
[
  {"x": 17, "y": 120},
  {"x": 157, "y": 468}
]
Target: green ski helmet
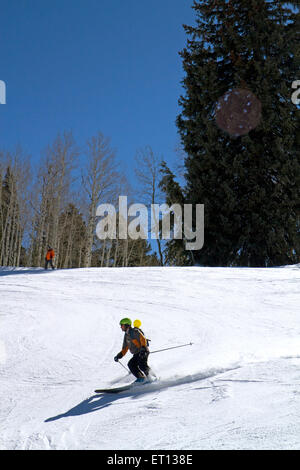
[{"x": 125, "y": 321}]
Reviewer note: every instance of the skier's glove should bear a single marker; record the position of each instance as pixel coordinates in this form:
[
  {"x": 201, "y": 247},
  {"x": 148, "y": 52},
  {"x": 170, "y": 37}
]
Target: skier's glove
[{"x": 118, "y": 356}]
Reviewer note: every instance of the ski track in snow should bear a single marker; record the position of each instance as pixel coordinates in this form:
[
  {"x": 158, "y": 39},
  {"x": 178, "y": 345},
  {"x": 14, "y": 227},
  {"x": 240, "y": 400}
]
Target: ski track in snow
[{"x": 237, "y": 387}]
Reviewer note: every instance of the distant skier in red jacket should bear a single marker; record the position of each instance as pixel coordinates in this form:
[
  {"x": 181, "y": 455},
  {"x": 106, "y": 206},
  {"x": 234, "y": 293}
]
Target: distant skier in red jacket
[{"x": 49, "y": 258}]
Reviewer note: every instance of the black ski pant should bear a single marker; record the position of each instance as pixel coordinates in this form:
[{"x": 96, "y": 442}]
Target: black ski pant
[
  {"x": 138, "y": 365},
  {"x": 48, "y": 261}
]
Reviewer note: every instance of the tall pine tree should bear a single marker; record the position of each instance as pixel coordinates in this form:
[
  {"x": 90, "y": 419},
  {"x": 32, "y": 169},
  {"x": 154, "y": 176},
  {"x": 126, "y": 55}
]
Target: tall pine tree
[{"x": 244, "y": 167}]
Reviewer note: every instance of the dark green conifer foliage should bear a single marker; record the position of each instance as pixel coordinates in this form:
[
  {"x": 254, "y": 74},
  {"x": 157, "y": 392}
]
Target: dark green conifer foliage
[
  {"x": 249, "y": 183},
  {"x": 175, "y": 251}
]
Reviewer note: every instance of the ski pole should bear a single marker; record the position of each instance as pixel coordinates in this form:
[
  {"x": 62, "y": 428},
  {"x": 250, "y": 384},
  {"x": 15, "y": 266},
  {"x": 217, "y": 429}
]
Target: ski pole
[
  {"x": 173, "y": 347},
  {"x": 124, "y": 367}
]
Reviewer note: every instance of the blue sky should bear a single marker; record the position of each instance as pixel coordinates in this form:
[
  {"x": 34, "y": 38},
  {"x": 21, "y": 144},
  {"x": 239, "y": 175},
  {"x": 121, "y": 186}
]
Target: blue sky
[{"x": 109, "y": 65}]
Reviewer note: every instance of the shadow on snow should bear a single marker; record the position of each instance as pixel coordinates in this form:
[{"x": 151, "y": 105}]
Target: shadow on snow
[
  {"x": 6, "y": 271},
  {"x": 98, "y": 402},
  {"x": 94, "y": 403}
]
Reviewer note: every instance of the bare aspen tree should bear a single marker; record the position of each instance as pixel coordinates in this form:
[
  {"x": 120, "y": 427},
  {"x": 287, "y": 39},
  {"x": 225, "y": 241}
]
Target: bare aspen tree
[
  {"x": 13, "y": 206},
  {"x": 64, "y": 155},
  {"x": 40, "y": 207},
  {"x": 99, "y": 182},
  {"x": 81, "y": 225},
  {"x": 43, "y": 217},
  {"x": 72, "y": 238},
  {"x": 8, "y": 204},
  {"x": 54, "y": 180},
  {"x": 120, "y": 245},
  {"x": 23, "y": 174},
  {"x": 148, "y": 174}
]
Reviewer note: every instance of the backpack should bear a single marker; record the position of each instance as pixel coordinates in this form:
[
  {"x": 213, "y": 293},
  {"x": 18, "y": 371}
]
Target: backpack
[{"x": 141, "y": 331}]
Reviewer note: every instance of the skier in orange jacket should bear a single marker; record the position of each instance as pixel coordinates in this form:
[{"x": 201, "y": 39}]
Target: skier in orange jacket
[{"x": 49, "y": 258}]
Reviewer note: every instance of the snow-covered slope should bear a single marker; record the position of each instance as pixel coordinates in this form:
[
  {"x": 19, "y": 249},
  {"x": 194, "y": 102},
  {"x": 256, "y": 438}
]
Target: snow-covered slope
[{"x": 237, "y": 387}]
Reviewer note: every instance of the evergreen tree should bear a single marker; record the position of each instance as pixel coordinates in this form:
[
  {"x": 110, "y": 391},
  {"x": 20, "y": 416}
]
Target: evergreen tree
[
  {"x": 242, "y": 160},
  {"x": 175, "y": 251}
]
